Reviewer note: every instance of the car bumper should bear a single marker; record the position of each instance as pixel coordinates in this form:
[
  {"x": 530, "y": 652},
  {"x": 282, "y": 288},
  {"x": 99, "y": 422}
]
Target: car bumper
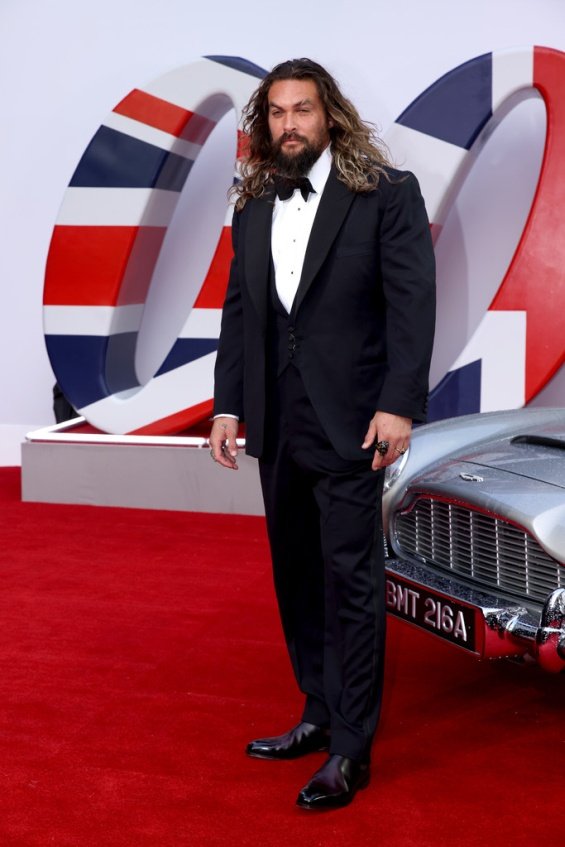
[{"x": 482, "y": 623}]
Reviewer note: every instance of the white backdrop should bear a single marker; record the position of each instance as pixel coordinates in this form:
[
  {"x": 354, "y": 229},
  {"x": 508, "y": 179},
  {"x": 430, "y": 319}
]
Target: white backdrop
[{"x": 65, "y": 64}]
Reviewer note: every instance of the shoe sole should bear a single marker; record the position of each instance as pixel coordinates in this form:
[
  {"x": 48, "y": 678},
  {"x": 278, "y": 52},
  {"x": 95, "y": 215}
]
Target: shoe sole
[{"x": 286, "y": 757}]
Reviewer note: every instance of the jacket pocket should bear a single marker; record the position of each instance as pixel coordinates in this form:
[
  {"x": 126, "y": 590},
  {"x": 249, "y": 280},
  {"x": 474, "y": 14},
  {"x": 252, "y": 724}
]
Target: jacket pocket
[{"x": 363, "y": 248}]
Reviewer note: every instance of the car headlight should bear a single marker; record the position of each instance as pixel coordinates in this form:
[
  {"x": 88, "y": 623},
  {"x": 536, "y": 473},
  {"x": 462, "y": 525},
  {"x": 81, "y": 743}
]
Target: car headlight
[{"x": 392, "y": 472}]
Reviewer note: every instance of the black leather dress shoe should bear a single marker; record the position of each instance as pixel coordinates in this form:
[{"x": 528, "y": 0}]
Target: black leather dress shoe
[
  {"x": 335, "y": 784},
  {"x": 301, "y": 739}
]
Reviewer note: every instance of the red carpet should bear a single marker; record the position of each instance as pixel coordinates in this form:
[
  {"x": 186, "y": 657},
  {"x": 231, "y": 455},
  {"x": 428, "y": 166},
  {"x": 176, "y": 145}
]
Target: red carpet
[{"x": 140, "y": 651}]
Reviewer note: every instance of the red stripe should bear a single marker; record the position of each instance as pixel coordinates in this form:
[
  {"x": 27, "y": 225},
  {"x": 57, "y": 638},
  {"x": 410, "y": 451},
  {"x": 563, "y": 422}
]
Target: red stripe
[
  {"x": 101, "y": 266},
  {"x": 242, "y": 145},
  {"x": 165, "y": 116},
  {"x": 213, "y": 291},
  {"x": 174, "y": 424},
  {"x": 534, "y": 280},
  {"x": 435, "y": 230},
  {"x": 197, "y": 129}
]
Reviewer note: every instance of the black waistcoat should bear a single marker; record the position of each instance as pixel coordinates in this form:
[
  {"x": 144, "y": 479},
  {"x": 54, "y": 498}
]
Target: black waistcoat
[{"x": 283, "y": 348}]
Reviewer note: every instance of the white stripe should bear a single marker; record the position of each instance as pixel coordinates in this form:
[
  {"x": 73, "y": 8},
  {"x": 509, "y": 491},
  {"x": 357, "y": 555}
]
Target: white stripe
[
  {"x": 512, "y": 70},
  {"x": 205, "y": 87},
  {"x": 229, "y": 214},
  {"x": 91, "y": 320},
  {"x": 110, "y": 320},
  {"x": 202, "y": 323},
  {"x": 191, "y": 384},
  {"x": 503, "y": 365},
  {"x": 435, "y": 163},
  {"x": 117, "y": 207},
  {"x": 152, "y": 135}
]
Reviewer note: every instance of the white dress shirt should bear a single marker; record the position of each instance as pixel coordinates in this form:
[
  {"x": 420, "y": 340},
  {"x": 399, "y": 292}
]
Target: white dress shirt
[{"x": 292, "y": 225}]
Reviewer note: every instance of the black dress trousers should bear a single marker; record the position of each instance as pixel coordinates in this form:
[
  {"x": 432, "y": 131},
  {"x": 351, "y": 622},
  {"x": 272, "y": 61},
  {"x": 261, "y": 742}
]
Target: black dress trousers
[{"x": 324, "y": 524}]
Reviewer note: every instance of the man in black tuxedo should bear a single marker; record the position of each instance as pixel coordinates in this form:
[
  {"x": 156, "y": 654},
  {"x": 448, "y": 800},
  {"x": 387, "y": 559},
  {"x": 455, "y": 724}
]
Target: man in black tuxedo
[{"x": 324, "y": 351}]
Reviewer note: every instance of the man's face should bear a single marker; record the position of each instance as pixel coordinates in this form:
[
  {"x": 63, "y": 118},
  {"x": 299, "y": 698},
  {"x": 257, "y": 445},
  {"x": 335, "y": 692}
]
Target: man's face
[{"x": 299, "y": 125}]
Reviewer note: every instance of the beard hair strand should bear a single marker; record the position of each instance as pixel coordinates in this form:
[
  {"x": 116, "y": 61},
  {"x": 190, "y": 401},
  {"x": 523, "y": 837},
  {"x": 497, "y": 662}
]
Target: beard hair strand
[{"x": 293, "y": 167}]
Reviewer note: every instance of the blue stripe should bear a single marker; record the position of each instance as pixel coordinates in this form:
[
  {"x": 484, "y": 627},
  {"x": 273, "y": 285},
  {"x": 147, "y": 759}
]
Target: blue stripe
[
  {"x": 115, "y": 160},
  {"x": 79, "y": 362},
  {"x": 186, "y": 350},
  {"x": 458, "y": 393},
  {"x": 120, "y": 362},
  {"x": 457, "y": 106},
  {"x": 239, "y": 64},
  {"x": 91, "y": 367}
]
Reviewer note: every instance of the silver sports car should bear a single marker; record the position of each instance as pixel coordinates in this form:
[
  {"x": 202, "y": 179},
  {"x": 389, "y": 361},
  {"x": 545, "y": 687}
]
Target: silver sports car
[{"x": 474, "y": 518}]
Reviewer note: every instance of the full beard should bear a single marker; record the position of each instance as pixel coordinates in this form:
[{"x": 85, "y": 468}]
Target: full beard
[{"x": 298, "y": 164}]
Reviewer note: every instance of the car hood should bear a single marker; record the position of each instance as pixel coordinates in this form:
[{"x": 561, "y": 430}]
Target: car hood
[
  {"x": 536, "y": 455},
  {"x": 525, "y": 502}
]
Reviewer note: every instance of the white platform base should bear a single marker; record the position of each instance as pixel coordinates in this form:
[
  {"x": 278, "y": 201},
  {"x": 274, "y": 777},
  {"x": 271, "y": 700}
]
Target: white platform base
[{"x": 61, "y": 466}]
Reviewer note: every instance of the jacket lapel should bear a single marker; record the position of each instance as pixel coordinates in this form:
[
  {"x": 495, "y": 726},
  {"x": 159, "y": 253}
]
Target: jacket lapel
[
  {"x": 334, "y": 205},
  {"x": 258, "y": 252}
]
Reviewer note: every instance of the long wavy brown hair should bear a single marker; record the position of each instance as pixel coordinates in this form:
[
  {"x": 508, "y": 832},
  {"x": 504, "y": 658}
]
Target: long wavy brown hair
[{"x": 359, "y": 155}]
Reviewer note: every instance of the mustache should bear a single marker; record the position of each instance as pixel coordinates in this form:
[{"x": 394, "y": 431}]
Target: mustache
[{"x": 289, "y": 136}]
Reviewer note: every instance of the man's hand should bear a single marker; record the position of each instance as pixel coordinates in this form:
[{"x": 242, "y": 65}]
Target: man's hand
[
  {"x": 391, "y": 428},
  {"x": 223, "y": 447}
]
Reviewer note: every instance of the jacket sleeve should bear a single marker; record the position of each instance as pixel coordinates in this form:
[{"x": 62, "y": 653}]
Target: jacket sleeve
[
  {"x": 228, "y": 372},
  {"x": 408, "y": 274}
]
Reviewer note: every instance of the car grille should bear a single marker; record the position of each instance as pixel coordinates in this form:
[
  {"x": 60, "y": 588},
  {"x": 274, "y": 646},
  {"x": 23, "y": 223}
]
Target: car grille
[{"x": 485, "y": 549}]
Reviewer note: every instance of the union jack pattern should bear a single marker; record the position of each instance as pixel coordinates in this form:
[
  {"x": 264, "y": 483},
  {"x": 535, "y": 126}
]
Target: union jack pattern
[
  {"x": 518, "y": 345},
  {"x": 106, "y": 242}
]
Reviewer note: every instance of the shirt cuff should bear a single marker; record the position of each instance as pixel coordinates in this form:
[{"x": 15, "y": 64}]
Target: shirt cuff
[{"x": 235, "y": 417}]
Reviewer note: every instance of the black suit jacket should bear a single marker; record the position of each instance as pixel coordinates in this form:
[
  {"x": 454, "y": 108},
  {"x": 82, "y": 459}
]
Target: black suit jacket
[{"x": 363, "y": 315}]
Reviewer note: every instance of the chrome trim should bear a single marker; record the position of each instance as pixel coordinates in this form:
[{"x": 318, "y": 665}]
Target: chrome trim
[
  {"x": 508, "y": 630},
  {"x": 394, "y": 471},
  {"x": 474, "y": 544},
  {"x": 550, "y": 637}
]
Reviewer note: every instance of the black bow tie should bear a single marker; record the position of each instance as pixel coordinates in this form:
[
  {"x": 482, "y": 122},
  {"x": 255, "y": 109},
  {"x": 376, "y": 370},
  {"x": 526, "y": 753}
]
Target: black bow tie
[{"x": 285, "y": 187}]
